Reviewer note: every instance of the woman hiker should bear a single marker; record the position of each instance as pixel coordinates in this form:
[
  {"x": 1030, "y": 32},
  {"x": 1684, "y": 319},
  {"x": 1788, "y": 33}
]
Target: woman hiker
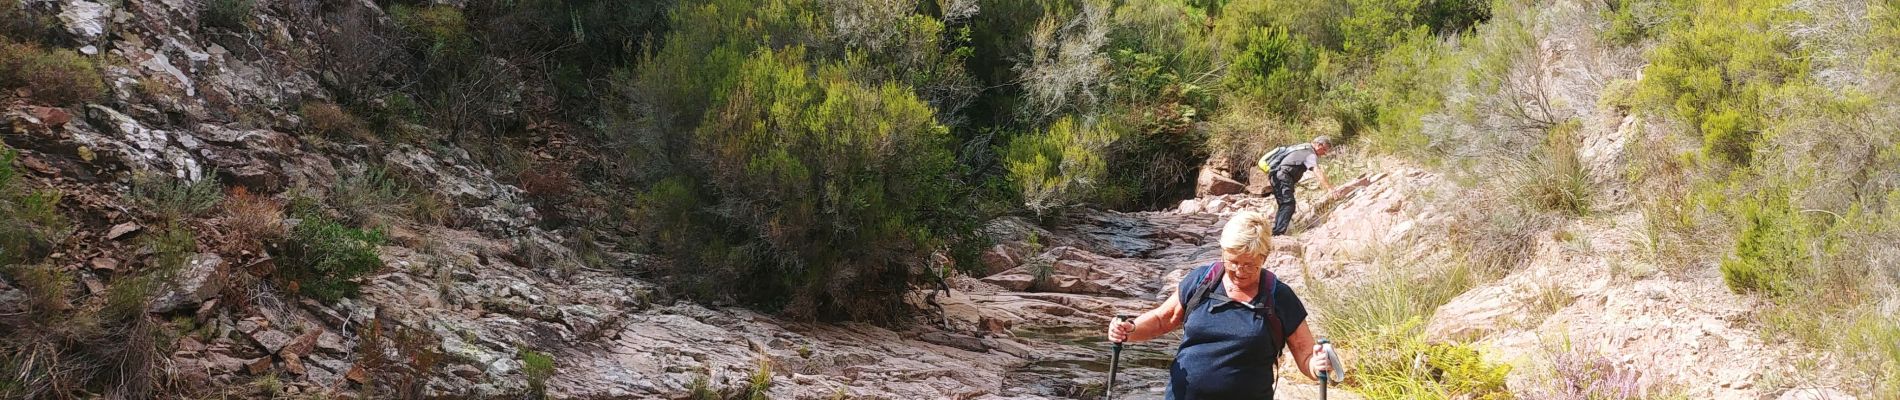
[{"x": 1237, "y": 316}]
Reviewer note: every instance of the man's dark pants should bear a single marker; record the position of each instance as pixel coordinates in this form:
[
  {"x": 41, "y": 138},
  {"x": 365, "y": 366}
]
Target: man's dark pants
[{"x": 1283, "y": 196}]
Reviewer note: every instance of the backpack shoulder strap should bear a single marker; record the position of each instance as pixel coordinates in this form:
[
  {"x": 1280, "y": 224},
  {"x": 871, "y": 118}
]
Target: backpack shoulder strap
[
  {"x": 1273, "y": 317},
  {"x": 1201, "y": 290}
]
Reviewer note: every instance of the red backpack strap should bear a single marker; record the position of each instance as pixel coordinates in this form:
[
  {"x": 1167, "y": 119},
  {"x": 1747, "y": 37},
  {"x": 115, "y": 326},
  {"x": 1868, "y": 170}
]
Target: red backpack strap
[{"x": 1206, "y": 286}]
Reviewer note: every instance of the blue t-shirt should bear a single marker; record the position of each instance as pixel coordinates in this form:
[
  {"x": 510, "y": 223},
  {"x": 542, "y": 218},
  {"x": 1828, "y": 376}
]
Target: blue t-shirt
[{"x": 1227, "y": 350}]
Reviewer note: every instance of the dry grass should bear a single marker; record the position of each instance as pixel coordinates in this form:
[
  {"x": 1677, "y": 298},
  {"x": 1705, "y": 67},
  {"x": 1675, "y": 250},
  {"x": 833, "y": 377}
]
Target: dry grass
[
  {"x": 252, "y": 220},
  {"x": 331, "y": 121}
]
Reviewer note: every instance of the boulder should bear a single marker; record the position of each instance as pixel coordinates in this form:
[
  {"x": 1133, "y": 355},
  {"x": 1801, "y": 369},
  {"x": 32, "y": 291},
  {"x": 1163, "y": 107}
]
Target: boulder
[
  {"x": 1189, "y": 206},
  {"x": 200, "y": 279},
  {"x": 1215, "y": 181},
  {"x": 85, "y": 19},
  {"x": 999, "y": 258}
]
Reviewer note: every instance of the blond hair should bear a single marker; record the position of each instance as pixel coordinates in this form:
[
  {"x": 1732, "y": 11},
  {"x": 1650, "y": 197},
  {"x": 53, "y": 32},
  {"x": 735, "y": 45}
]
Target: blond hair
[{"x": 1248, "y": 232}]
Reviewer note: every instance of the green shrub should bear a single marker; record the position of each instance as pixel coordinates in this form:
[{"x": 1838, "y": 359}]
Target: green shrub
[
  {"x": 322, "y": 258},
  {"x": 1060, "y": 167},
  {"x": 171, "y": 248},
  {"x": 1632, "y": 21},
  {"x": 443, "y": 27},
  {"x": 1276, "y": 67},
  {"x": 176, "y": 199},
  {"x": 51, "y": 76},
  {"x": 811, "y": 193},
  {"x": 761, "y": 381},
  {"x": 1716, "y": 73},
  {"x": 234, "y": 15},
  {"x": 538, "y": 367},
  {"x": 1772, "y": 250},
  {"x": 30, "y": 222}
]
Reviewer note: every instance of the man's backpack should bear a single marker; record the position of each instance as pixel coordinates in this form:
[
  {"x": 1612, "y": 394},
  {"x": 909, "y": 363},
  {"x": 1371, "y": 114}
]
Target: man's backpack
[{"x": 1273, "y": 157}]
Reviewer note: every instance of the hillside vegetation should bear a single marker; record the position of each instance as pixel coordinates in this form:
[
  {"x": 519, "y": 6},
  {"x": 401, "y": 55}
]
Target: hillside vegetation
[{"x": 820, "y": 159}]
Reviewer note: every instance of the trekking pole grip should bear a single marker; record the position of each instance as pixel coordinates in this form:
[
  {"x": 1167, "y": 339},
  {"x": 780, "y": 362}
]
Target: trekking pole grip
[{"x": 1131, "y": 320}]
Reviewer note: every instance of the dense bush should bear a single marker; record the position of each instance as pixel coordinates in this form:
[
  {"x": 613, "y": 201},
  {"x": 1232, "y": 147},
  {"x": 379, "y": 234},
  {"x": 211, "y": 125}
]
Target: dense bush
[
  {"x": 1271, "y": 65},
  {"x": 1772, "y": 247},
  {"x": 1061, "y": 167},
  {"x": 322, "y": 258},
  {"x": 1715, "y": 72},
  {"x": 810, "y": 192},
  {"x": 52, "y": 76}
]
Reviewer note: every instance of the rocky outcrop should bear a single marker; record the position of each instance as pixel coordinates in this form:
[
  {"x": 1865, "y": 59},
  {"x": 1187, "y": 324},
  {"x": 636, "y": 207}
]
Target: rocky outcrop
[{"x": 201, "y": 278}]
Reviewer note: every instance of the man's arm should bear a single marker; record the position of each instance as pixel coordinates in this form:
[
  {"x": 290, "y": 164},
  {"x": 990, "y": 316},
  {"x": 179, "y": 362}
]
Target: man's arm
[{"x": 1312, "y": 165}]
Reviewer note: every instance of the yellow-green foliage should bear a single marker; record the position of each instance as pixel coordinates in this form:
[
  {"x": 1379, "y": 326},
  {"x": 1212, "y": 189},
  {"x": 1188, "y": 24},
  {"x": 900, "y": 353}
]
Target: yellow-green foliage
[
  {"x": 761, "y": 381},
  {"x": 1058, "y": 168},
  {"x": 1632, "y": 21},
  {"x": 444, "y": 27},
  {"x": 52, "y": 76},
  {"x": 1773, "y": 247},
  {"x": 697, "y": 63},
  {"x": 538, "y": 367},
  {"x": 1271, "y": 65},
  {"x": 1717, "y": 69}
]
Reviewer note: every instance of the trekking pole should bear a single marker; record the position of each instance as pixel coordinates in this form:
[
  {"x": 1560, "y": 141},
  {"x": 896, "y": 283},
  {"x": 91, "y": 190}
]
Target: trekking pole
[
  {"x": 1115, "y": 362},
  {"x": 1332, "y": 361}
]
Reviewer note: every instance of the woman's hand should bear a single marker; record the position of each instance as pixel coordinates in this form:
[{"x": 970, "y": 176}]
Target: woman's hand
[
  {"x": 1119, "y": 329},
  {"x": 1317, "y": 362}
]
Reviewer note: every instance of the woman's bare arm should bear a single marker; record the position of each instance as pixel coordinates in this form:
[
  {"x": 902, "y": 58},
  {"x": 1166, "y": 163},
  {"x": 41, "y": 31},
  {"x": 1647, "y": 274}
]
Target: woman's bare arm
[
  {"x": 1163, "y": 319},
  {"x": 1301, "y": 344}
]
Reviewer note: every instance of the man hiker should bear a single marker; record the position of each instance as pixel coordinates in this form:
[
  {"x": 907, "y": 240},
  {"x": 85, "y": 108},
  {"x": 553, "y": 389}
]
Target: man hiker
[{"x": 1285, "y": 166}]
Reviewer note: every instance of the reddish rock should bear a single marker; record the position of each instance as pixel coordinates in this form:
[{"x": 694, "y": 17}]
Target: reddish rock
[
  {"x": 259, "y": 366},
  {"x": 1214, "y": 181},
  {"x": 357, "y": 374},
  {"x": 51, "y": 117},
  {"x": 225, "y": 363},
  {"x": 999, "y": 259},
  {"x": 302, "y": 345},
  {"x": 105, "y": 264},
  {"x": 294, "y": 364}
]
